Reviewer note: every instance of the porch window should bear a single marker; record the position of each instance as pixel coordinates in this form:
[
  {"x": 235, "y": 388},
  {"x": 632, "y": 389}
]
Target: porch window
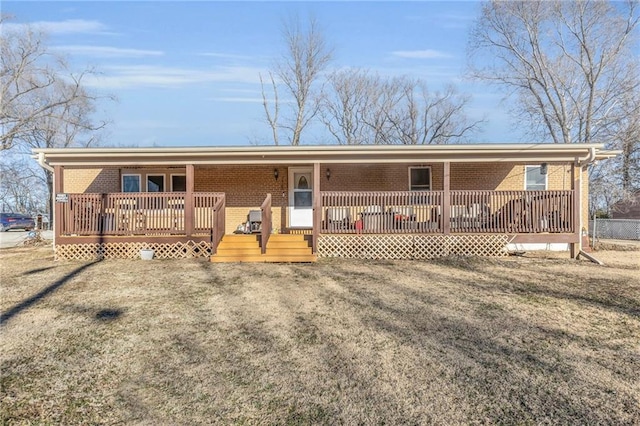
[
  {"x": 155, "y": 183},
  {"x": 179, "y": 183},
  {"x": 534, "y": 180},
  {"x": 130, "y": 183},
  {"x": 420, "y": 178}
]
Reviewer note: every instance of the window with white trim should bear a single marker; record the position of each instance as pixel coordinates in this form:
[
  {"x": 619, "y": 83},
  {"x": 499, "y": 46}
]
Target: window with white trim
[
  {"x": 179, "y": 183},
  {"x": 155, "y": 183},
  {"x": 420, "y": 178},
  {"x": 130, "y": 183},
  {"x": 534, "y": 180}
]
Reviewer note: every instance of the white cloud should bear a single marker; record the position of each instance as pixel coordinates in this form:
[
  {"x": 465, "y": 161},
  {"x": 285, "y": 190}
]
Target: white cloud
[
  {"x": 137, "y": 76},
  {"x": 107, "y": 51},
  {"x": 69, "y": 26},
  {"x": 421, "y": 54}
]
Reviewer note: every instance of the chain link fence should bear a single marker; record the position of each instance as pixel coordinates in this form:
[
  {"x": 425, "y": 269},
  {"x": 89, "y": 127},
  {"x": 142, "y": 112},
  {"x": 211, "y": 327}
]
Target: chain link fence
[{"x": 618, "y": 229}]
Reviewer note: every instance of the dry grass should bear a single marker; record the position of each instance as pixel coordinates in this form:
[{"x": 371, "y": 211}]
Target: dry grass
[{"x": 455, "y": 341}]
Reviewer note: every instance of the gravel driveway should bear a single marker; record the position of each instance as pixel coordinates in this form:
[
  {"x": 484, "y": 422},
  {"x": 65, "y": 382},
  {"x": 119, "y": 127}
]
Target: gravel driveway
[{"x": 17, "y": 238}]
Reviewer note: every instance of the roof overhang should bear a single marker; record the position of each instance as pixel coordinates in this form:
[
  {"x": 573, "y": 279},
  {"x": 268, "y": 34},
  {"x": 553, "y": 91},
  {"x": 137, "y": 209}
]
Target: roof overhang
[{"x": 327, "y": 154}]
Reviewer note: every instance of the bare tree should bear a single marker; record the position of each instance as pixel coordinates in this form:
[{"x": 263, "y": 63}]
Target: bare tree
[
  {"x": 35, "y": 85},
  {"x": 625, "y": 133},
  {"x": 424, "y": 118},
  {"x": 272, "y": 116},
  {"x": 44, "y": 103},
  {"x": 350, "y": 96},
  {"x": 22, "y": 187},
  {"x": 361, "y": 108},
  {"x": 567, "y": 62},
  {"x": 306, "y": 56}
]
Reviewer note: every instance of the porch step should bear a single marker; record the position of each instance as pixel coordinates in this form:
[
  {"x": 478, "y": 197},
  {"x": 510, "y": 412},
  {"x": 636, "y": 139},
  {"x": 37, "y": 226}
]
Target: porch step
[{"x": 280, "y": 248}]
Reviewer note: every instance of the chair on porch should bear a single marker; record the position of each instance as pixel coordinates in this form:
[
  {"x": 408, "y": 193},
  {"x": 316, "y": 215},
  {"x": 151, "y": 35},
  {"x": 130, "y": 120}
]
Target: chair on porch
[
  {"x": 338, "y": 218},
  {"x": 404, "y": 217},
  {"x": 479, "y": 214},
  {"x": 459, "y": 216}
]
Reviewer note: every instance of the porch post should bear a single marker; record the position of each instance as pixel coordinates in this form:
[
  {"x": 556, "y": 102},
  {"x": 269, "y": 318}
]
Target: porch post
[
  {"x": 189, "y": 208},
  {"x": 58, "y": 208},
  {"x": 317, "y": 207},
  {"x": 576, "y": 185},
  {"x": 446, "y": 198}
]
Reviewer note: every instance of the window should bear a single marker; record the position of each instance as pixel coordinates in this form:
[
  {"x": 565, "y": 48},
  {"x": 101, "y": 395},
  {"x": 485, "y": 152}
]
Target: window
[
  {"x": 534, "y": 180},
  {"x": 179, "y": 183},
  {"x": 130, "y": 183},
  {"x": 155, "y": 183},
  {"x": 420, "y": 178}
]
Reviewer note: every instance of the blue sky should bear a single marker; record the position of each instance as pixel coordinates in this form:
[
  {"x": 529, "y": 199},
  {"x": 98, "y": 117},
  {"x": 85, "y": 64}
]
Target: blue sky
[{"x": 187, "y": 73}]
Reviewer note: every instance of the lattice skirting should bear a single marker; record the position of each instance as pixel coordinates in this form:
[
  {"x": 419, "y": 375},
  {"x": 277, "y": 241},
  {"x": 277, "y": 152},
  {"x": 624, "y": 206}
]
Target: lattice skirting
[
  {"x": 176, "y": 250},
  {"x": 404, "y": 246}
]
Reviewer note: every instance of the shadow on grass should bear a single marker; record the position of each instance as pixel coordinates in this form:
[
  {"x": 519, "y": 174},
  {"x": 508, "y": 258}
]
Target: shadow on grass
[
  {"x": 596, "y": 289},
  {"x": 108, "y": 314},
  {"x": 515, "y": 369},
  {"x": 27, "y": 303},
  {"x": 35, "y": 271}
]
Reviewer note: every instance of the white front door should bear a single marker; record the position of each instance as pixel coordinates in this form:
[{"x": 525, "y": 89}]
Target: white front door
[{"x": 301, "y": 197}]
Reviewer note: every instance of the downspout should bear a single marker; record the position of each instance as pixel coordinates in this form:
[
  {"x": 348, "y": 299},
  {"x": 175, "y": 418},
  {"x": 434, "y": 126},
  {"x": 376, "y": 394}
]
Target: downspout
[{"x": 581, "y": 162}]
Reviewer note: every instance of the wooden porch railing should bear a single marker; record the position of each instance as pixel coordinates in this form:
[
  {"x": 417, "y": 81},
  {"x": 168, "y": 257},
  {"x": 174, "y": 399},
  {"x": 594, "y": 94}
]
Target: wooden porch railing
[
  {"x": 513, "y": 212},
  {"x": 218, "y": 220},
  {"x": 265, "y": 231},
  {"x": 469, "y": 212},
  {"x": 381, "y": 212},
  {"x": 158, "y": 213}
]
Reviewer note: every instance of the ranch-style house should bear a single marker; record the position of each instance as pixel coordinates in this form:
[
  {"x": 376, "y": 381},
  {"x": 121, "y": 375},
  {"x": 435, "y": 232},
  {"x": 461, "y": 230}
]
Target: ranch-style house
[{"x": 298, "y": 203}]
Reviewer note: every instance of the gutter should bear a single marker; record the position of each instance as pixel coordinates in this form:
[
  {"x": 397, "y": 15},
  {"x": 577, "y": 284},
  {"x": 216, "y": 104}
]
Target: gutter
[
  {"x": 590, "y": 158},
  {"x": 42, "y": 162}
]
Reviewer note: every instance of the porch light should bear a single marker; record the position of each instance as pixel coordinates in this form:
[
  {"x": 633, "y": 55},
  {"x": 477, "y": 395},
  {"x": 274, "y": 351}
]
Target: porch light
[
  {"x": 543, "y": 168},
  {"x": 328, "y": 174},
  {"x": 275, "y": 174}
]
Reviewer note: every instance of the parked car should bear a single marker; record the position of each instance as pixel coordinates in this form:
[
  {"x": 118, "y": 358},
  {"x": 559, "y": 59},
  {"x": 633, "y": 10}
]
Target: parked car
[{"x": 16, "y": 221}]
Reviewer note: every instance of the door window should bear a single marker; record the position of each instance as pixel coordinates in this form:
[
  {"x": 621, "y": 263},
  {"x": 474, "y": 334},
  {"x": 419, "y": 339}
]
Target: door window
[{"x": 302, "y": 191}]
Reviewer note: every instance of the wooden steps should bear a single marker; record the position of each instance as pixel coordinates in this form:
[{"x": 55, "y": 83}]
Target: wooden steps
[{"x": 280, "y": 248}]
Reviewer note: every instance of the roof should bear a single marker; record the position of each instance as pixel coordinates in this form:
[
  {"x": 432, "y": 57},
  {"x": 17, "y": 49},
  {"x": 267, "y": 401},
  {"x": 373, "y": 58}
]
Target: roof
[
  {"x": 172, "y": 156},
  {"x": 628, "y": 208}
]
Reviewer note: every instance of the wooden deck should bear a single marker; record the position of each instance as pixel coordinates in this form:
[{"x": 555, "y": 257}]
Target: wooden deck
[{"x": 184, "y": 223}]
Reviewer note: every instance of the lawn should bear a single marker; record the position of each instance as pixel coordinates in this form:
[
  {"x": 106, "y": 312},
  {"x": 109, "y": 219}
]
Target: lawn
[{"x": 519, "y": 340}]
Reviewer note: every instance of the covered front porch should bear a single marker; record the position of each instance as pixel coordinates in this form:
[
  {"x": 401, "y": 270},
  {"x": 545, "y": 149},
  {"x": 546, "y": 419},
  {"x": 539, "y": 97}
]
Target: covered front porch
[{"x": 369, "y": 202}]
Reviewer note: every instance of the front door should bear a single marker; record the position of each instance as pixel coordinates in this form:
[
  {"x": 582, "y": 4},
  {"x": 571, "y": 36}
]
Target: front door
[{"x": 301, "y": 197}]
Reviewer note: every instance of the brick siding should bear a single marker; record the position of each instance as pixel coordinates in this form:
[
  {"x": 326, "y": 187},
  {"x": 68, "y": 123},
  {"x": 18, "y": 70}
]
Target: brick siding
[
  {"x": 97, "y": 181},
  {"x": 246, "y": 186}
]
